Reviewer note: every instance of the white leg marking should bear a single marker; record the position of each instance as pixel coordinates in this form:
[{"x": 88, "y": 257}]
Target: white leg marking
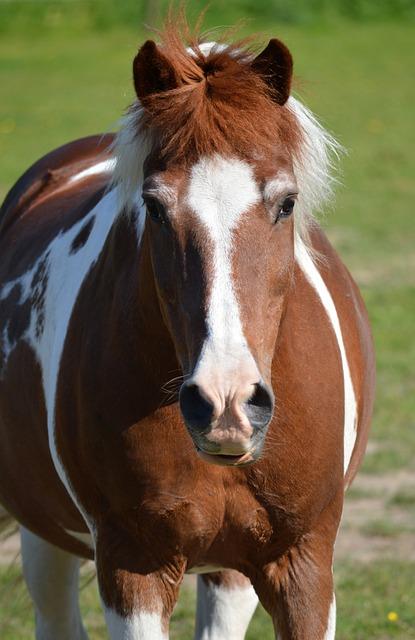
[
  {"x": 331, "y": 622},
  {"x": 221, "y": 191},
  {"x": 52, "y": 579},
  {"x": 314, "y": 278},
  {"x": 223, "y": 613},
  {"x": 106, "y": 166},
  {"x": 140, "y": 626}
]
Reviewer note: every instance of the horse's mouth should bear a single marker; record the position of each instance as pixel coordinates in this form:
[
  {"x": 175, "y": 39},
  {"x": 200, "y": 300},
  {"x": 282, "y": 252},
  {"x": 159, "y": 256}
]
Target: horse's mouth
[{"x": 240, "y": 460}]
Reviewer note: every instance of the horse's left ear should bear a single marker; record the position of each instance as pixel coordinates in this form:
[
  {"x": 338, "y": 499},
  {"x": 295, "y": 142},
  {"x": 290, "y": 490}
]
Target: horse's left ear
[{"x": 275, "y": 65}]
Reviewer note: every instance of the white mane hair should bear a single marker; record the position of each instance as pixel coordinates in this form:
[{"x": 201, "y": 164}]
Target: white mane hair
[
  {"x": 314, "y": 165},
  {"x": 130, "y": 149},
  {"x": 314, "y": 168}
]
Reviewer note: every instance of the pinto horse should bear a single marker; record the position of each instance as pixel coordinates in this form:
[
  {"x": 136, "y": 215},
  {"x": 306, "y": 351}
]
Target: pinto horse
[{"x": 186, "y": 366}]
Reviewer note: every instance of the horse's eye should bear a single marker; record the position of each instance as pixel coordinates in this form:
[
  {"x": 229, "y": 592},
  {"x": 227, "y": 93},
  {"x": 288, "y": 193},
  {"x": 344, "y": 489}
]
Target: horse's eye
[
  {"x": 286, "y": 208},
  {"x": 156, "y": 210}
]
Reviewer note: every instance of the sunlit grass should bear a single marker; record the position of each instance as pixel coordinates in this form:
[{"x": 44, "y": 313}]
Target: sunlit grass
[{"x": 366, "y": 596}]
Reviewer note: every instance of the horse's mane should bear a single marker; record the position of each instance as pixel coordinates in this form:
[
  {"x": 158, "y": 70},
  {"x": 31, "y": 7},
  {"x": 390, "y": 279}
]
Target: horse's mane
[{"x": 222, "y": 106}]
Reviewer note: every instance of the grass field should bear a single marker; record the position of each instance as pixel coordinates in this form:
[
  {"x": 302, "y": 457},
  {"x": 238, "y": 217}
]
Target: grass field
[{"x": 61, "y": 84}]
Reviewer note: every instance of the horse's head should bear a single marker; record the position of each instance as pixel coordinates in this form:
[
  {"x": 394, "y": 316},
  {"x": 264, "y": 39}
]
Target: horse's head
[{"x": 220, "y": 192}]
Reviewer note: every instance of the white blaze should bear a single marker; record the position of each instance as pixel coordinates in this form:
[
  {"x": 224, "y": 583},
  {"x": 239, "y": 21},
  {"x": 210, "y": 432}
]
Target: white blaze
[{"x": 221, "y": 191}]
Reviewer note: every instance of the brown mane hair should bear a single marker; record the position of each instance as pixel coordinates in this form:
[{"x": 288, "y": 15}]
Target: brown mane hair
[{"x": 220, "y": 104}]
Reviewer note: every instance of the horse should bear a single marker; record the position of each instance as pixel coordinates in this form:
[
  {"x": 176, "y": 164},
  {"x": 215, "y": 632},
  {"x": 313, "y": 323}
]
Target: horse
[{"x": 186, "y": 365}]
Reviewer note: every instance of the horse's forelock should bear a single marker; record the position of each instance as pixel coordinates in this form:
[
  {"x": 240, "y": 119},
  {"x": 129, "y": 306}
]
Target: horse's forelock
[{"x": 221, "y": 105}]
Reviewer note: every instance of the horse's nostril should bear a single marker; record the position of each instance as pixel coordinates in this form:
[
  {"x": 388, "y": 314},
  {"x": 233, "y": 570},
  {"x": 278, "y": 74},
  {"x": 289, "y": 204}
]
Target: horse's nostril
[
  {"x": 261, "y": 396},
  {"x": 196, "y": 410},
  {"x": 260, "y": 406}
]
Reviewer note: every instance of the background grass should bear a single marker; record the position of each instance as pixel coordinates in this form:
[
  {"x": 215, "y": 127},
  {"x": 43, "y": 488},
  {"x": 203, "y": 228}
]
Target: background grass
[
  {"x": 65, "y": 72},
  {"x": 105, "y": 14}
]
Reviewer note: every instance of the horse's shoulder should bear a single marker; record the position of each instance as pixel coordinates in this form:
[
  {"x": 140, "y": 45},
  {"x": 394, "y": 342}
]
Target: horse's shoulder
[
  {"x": 52, "y": 171},
  {"x": 338, "y": 293}
]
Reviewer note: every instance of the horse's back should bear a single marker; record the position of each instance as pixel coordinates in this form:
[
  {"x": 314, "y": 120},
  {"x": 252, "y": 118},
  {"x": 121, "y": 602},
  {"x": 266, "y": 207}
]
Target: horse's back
[
  {"x": 49, "y": 198},
  {"x": 52, "y": 172}
]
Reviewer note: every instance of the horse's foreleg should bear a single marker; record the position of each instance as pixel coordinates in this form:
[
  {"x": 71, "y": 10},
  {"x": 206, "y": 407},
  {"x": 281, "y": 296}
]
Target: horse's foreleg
[
  {"x": 52, "y": 576},
  {"x": 297, "y": 591},
  {"x": 226, "y": 602},
  {"x": 138, "y": 591},
  {"x": 138, "y": 606}
]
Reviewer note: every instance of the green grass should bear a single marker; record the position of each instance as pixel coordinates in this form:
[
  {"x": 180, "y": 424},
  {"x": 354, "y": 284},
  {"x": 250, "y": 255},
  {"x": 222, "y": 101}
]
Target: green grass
[
  {"x": 366, "y": 594},
  {"x": 64, "y": 81},
  {"x": 44, "y": 15},
  {"x": 404, "y": 498},
  {"x": 360, "y": 493},
  {"x": 385, "y": 528}
]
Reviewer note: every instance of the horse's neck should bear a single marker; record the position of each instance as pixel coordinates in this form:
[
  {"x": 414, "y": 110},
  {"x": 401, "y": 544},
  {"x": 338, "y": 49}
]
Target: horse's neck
[{"x": 130, "y": 315}]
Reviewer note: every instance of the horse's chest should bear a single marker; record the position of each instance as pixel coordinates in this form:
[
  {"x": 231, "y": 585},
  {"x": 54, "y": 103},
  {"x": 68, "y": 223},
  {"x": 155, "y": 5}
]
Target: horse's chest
[{"x": 212, "y": 528}]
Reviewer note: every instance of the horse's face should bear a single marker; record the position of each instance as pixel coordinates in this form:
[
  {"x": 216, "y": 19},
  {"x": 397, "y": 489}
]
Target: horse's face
[
  {"x": 221, "y": 231},
  {"x": 221, "y": 238}
]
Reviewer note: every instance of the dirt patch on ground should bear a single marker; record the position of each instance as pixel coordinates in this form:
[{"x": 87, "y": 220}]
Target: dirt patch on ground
[
  {"x": 9, "y": 549},
  {"x": 379, "y": 519}
]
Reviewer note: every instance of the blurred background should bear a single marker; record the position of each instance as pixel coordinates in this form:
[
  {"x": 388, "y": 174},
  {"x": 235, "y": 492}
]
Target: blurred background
[{"x": 65, "y": 72}]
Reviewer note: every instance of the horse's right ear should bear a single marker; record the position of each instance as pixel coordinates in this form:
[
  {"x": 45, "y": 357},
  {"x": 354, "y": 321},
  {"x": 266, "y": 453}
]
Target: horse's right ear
[{"x": 152, "y": 71}]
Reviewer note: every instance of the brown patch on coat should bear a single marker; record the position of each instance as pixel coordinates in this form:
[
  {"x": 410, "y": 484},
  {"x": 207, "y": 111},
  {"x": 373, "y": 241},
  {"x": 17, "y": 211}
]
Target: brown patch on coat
[
  {"x": 82, "y": 236},
  {"x": 38, "y": 290},
  {"x": 41, "y": 502}
]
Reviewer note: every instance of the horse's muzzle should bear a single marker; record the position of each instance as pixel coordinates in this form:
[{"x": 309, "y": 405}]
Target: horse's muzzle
[{"x": 234, "y": 438}]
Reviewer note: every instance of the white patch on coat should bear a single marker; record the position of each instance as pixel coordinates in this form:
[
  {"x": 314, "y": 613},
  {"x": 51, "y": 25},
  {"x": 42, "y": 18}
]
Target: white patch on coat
[
  {"x": 221, "y": 191},
  {"x": 350, "y": 414},
  {"x": 85, "y": 538},
  {"x": 139, "y": 626},
  {"x": 106, "y": 166},
  {"x": 331, "y": 622},
  {"x": 66, "y": 271},
  {"x": 223, "y": 612}
]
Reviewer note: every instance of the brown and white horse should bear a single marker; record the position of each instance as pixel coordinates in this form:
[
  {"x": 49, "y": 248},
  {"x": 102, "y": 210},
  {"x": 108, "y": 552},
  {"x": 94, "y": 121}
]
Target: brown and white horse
[{"x": 186, "y": 249}]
